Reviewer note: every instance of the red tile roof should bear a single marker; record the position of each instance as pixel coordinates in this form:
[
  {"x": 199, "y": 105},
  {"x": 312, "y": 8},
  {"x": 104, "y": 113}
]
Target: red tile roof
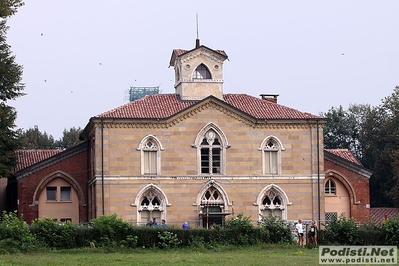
[
  {"x": 27, "y": 158},
  {"x": 167, "y": 105},
  {"x": 345, "y": 154},
  {"x": 379, "y": 214}
]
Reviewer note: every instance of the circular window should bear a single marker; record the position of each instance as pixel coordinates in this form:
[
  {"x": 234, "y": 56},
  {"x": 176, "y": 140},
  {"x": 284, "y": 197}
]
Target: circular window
[
  {"x": 216, "y": 67},
  {"x": 187, "y": 67}
]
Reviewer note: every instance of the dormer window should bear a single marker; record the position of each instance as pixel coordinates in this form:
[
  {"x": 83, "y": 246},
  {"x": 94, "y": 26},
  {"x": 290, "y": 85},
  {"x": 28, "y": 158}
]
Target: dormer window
[{"x": 202, "y": 72}]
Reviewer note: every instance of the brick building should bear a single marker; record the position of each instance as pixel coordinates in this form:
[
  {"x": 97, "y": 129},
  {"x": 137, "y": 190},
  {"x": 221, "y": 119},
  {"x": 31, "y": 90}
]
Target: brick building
[{"x": 197, "y": 155}]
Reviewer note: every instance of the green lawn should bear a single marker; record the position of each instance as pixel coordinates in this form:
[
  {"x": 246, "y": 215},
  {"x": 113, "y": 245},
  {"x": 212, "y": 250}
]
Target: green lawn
[{"x": 259, "y": 255}]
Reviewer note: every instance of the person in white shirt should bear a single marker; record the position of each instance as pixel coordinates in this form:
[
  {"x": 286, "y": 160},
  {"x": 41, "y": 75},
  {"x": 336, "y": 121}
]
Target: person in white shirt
[{"x": 299, "y": 230}]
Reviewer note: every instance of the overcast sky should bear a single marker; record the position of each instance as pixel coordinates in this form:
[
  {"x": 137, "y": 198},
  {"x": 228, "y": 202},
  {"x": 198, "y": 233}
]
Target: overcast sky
[{"x": 81, "y": 57}]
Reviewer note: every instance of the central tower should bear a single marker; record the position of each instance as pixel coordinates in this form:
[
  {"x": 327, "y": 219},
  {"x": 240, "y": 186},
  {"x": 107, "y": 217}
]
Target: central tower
[{"x": 198, "y": 72}]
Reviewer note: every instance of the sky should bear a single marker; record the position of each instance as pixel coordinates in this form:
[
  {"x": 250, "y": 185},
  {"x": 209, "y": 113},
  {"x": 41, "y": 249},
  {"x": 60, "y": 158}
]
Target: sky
[{"x": 81, "y": 57}]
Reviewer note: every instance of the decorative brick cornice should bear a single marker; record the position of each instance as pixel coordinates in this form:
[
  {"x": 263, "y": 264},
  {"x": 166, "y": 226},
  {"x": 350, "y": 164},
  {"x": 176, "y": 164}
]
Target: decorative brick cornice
[{"x": 192, "y": 111}]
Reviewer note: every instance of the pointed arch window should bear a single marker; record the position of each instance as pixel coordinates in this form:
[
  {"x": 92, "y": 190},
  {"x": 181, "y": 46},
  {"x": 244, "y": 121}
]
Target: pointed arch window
[
  {"x": 211, "y": 144},
  {"x": 202, "y": 72},
  {"x": 271, "y": 149},
  {"x": 210, "y": 153},
  {"x": 150, "y": 148},
  {"x": 272, "y": 200},
  {"x": 272, "y": 204},
  {"x": 330, "y": 187},
  {"x": 212, "y": 207},
  {"x": 151, "y": 203}
]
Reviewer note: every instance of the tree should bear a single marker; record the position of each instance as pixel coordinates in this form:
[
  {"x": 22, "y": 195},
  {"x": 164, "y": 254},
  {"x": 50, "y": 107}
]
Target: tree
[
  {"x": 381, "y": 137},
  {"x": 32, "y": 138},
  {"x": 11, "y": 88},
  {"x": 343, "y": 128},
  {"x": 70, "y": 138},
  {"x": 372, "y": 134}
]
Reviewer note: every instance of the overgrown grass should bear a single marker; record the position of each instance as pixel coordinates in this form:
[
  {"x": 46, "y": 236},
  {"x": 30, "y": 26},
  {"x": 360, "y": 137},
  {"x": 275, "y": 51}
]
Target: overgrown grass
[{"x": 271, "y": 254}]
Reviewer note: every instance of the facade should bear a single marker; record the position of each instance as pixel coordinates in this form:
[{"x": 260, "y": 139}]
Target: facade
[
  {"x": 197, "y": 155},
  {"x": 346, "y": 186},
  {"x": 50, "y": 183}
]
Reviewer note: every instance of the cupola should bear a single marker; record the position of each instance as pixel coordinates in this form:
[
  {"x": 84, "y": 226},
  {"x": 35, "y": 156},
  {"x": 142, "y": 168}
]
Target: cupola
[{"x": 198, "y": 72}]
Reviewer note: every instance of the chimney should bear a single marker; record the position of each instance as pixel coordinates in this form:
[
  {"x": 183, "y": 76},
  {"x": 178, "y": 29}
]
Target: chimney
[
  {"x": 197, "y": 43},
  {"x": 269, "y": 97}
]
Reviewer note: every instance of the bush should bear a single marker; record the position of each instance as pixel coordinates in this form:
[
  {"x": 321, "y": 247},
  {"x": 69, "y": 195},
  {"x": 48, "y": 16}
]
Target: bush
[
  {"x": 168, "y": 240},
  {"x": 55, "y": 235},
  {"x": 15, "y": 235},
  {"x": 390, "y": 229},
  {"x": 109, "y": 231},
  {"x": 342, "y": 231},
  {"x": 239, "y": 230},
  {"x": 274, "y": 230}
]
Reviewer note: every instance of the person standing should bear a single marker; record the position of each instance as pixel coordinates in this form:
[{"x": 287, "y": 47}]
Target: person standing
[
  {"x": 313, "y": 233},
  {"x": 163, "y": 223},
  {"x": 299, "y": 230},
  {"x": 185, "y": 226},
  {"x": 154, "y": 222}
]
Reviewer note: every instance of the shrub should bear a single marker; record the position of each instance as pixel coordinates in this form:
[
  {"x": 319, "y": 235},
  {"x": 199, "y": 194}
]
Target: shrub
[
  {"x": 168, "y": 240},
  {"x": 109, "y": 230},
  {"x": 274, "y": 229},
  {"x": 55, "y": 235},
  {"x": 342, "y": 231},
  {"x": 390, "y": 229},
  {"x": 239, "y": 230},
  {"x": 15, "y": 235}
]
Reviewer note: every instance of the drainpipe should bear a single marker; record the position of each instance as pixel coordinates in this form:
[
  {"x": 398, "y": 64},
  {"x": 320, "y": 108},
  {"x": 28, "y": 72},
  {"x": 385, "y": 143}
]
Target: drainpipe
[
  {"x": 102, "y": 165},
  {"x": 88, "y": 174},
  {"x": 318, "y": 168}
]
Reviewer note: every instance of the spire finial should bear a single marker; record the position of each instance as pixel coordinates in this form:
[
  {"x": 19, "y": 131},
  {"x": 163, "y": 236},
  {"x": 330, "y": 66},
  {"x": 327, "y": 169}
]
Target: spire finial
[{"x": 197, "y": 41}]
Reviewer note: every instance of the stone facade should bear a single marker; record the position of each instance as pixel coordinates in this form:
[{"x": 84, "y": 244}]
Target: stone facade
[{"x": 198, "y": 155}]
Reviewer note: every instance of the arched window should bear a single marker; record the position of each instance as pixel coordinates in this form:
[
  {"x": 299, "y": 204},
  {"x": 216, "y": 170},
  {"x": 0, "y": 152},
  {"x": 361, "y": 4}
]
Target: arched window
[
  {"x": 272, "y": 200},
  {"x": 210, "y": 153},
  {"x": 213, "y": 203},
  {"x": 211, "y": 144},
  {"x": 202, "y": 72},
  {"x": 330, "y": 187},
  {"x": 151, "y": 203},
  {"x": 271, "y": 204},
  {"x": 150, "y": 148},
  {"x": 271, "y": 155}
]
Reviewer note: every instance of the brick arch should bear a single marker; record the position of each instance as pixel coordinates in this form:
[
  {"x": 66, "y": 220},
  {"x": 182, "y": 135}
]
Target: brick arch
[
  {"x": 340, "y": 177},
  {"x": 59, "y": 174}
]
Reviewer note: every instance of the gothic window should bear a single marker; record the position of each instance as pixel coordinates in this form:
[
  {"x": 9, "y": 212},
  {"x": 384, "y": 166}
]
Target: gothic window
[
  {"x": 202, "y": 72},
  {"x": 272, "y": 204},
  {"x": 212, "y": 206},
  {"x": 210, "y": 153},
  {"x": 330, "y": 187},
  {"x": 150, "y": 155},
  {"x": 271, "y": 155},
  {"x": 151, "y": 206},
  {"x": 270, "y": 151},
  {"x": 272, "y": 200}
]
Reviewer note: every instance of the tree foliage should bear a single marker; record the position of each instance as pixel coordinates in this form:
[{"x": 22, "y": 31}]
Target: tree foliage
[
  {"x": 11, "y": 87},
  {"x": 69, "y": 138},
  {"x": 372, "y": 135},
  {"x": 33, "y": 138}
]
